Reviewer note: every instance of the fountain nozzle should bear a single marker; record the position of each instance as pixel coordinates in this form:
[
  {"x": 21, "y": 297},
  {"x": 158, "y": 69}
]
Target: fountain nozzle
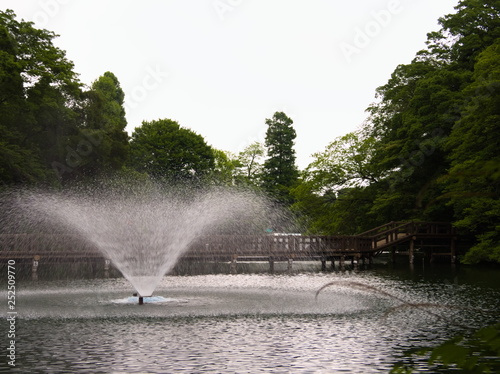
[{"x": 141, "y": 298}]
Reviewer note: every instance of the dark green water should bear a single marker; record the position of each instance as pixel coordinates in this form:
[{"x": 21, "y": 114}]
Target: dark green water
[{"x": 246, "y": 323}]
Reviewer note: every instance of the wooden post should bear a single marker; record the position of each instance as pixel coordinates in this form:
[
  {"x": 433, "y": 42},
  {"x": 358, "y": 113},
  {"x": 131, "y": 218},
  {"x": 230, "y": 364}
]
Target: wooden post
[
  {"x": 233, "y": 268},
  {"x": 393, "y": 254},
  {"x": 411, "y": 254},
  {"x": 453, "y": 250},
  {"x": 271, "y": 264},
  {"x": 34, "y": 267},
  {"x": 107, "y": 263},
  {"x": 323, "y": 264},
  {"x": 290, "y": 265}
]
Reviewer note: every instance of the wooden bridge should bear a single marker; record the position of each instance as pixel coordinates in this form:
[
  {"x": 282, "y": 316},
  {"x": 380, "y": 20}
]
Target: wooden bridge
[{"x": 429, "y": 239}]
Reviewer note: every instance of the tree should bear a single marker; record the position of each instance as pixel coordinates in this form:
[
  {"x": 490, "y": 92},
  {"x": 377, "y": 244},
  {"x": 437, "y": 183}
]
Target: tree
[
  {"x": 474, "y": 27},
  {"x": 344, "y": 212},
  {"x": 333, "y": 196},
  {"x": 250, "y": 162},
  {"x": 169, "y": 152},
  {"x": 416, "y": 112},
  {"x": 345, "y": 163},
  {"x": 104, "y": 121},
  {"x": 39, "y": 102},
  {"x": 430, "y": 145},
  {"x": 225, "y": 166},
  {"x": 280, "y": 172},
  {"x": 420, "y": 106},
  {"x": 437, "y": 133},
  {"x": 17, "y": 163},
  {"x": 473, "y": 181}
]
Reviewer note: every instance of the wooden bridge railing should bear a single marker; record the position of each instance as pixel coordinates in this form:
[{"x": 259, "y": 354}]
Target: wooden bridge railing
[
  {"x": 47, "y": 245},
  {"x": 269, "y": 245},
  {"x": 396, "y": 232},
  {"x": 278, "y": 245}
]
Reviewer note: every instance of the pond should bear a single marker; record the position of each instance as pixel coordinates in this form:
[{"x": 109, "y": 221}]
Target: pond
[{"x": 246, "y": 323}]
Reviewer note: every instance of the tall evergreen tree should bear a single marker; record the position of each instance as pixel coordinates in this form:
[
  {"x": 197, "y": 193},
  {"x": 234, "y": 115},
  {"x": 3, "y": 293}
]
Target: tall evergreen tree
[{"x": 280, "y": 172}]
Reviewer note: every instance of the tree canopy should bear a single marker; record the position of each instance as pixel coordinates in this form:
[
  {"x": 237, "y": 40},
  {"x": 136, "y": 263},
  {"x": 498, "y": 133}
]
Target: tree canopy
[
  {"x": 39, "y": 102},
  {"x": 167, "y": 151},
  {"x": 250, "y": 162},
  {"x": 440, "y": 113},
  {"x": 429, "y": 148},
  {"x": 105, "y": 120},
  {"x": 53, "y": 130}
]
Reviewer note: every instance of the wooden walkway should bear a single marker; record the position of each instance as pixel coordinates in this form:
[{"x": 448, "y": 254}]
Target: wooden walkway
[{"x": 431, "y": 239}]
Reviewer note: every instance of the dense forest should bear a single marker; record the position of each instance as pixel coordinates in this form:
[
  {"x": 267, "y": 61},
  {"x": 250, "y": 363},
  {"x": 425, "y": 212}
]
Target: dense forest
[{"x": 428, "y": 149}]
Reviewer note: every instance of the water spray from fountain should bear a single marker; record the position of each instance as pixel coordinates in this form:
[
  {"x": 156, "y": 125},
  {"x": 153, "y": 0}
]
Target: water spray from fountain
[{"x": 144, "y": 231}]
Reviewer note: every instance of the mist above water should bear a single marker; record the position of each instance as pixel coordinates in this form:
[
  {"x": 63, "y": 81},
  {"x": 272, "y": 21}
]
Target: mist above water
[{"x": 144, "y": 231}]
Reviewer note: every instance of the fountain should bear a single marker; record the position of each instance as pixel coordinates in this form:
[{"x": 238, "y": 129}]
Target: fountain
[
  {"x": 341, "y": 321},
  {"x": 144, "y": 231}
]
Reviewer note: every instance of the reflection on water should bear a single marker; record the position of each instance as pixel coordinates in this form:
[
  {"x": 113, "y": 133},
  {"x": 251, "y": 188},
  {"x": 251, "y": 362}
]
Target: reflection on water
[{"x": 217, "y": 323}]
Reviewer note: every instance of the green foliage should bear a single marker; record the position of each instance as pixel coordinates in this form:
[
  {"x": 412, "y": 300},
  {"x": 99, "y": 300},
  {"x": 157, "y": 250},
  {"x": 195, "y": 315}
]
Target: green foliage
[
  {"x": 333, "y": 213},
  {"x": 166, "y": 151},
  {"x": 429, "y": 149},
  {"x": 436, "y": 131},
  {"x": 19, "y": 165},
  {"x": 345, "y": 163},
  {"x": 225, "y": 165},
  {"x": 250, "y": 165},
  {"x": 333, "y": 197},
  {"x": 280, "y": 172},
  {"x": 53, "y": 132},
  {"x": 105, "y": 121},
  {"x": 473, "y": 181},
  {"x": 416, "y": 113},
  {"x": 39, "y": 99},
  {"x": 474, "y": 27},
  {"x": 479, "y": 353}
]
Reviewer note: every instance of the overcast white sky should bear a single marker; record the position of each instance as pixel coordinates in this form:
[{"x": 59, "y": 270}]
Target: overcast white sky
[{"x": 221, "y": 67}]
